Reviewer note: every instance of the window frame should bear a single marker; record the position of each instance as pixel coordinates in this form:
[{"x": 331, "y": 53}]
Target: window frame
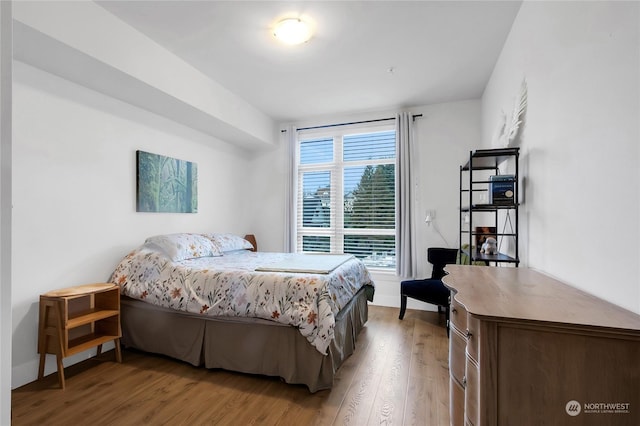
[{"x": 336, "y": 168}]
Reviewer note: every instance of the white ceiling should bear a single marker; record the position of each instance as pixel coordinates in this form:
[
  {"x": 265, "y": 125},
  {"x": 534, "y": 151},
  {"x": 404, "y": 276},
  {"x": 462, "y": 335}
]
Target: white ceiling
[{"x": 438, "y": 51}]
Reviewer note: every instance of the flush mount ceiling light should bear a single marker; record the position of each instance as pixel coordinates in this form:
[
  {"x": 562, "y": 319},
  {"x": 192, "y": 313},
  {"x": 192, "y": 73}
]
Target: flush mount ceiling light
[{"x": 292, "y": 31}]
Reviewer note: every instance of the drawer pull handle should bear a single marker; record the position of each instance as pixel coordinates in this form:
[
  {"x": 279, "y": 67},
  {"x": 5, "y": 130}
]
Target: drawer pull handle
[
  {"x": 464, "y": 381},
  {"x": 469, "y": 335},
  {"x": 454, "y": 310}
]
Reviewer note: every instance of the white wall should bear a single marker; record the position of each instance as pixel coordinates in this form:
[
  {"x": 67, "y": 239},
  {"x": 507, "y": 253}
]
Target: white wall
[
  {"x": 5, "y": 211},
  {"x": 444, "y": 135},
  {"x": 74, "y": 180},
  {"x": 268, "y": 180},
  {"x": 580, "y": 218}
]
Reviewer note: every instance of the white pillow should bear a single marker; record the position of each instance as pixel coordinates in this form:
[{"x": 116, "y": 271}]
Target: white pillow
[
  {"x": 183, "y": 246},
  {"x": 229, "y": 242}
]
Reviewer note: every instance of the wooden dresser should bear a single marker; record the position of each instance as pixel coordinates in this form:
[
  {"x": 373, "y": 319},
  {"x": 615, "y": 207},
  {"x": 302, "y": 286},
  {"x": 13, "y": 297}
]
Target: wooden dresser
[{"x": 526, "y": 349}]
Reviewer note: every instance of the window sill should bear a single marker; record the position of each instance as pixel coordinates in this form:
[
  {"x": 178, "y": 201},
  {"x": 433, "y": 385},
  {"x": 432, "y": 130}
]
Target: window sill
[{"x": 382, "y": 271}]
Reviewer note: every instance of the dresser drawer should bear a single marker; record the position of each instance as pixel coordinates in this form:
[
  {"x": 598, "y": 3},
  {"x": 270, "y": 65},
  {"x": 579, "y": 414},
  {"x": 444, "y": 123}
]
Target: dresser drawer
[
  {"x": 472, "y": 391},
  {"x": 456, "y": 398},
  {"x": 473, "y": 336},
  {"x": 458, "y": 314},
  {"x": 457, "y": 354}
]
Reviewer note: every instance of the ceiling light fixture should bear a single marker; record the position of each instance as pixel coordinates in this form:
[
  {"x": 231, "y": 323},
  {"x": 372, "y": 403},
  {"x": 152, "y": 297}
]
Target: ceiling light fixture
[{"x": 292, "y": 31}]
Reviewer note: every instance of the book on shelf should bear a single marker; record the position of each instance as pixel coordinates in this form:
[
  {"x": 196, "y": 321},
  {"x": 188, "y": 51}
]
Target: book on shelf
[{"x": 502, "y": 190}]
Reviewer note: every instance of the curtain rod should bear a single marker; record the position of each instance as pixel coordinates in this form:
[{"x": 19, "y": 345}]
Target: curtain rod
[{"x": 352, "y": 122}]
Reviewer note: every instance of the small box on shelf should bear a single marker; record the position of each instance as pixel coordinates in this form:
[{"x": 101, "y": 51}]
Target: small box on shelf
[{"x": 502, "y": 190}]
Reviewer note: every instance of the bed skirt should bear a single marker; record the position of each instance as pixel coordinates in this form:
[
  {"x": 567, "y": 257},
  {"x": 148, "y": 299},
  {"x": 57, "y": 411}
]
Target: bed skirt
[{"x": 246, "y": 345}]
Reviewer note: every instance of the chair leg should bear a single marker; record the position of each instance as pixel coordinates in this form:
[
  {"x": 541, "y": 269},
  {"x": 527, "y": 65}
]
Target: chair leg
[{"x": 403, "y": 305}]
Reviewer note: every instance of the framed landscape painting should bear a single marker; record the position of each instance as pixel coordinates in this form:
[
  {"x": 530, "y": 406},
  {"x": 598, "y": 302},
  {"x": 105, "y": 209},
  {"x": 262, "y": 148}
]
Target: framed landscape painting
[{"x": 165, "y": 184}]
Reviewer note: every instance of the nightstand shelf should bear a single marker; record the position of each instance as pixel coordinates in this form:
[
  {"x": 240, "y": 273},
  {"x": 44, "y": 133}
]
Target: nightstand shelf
[
  {"x": 76, "y": 319},
  {"x": 89, "y": 316}
]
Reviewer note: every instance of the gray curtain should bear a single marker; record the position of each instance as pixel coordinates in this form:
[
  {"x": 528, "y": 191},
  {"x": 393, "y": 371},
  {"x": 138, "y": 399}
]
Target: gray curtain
[{"x": 405, "y": 244}]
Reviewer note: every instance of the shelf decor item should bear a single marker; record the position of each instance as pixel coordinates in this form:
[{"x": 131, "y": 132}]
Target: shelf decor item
[
  {"x": 482, "y": 233},
  {"x": 502, "y": 189},
  {"x": 490, "y": 246}
]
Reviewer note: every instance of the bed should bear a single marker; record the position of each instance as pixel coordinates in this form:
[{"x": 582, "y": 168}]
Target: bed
[{"x": 209, "y": 299}]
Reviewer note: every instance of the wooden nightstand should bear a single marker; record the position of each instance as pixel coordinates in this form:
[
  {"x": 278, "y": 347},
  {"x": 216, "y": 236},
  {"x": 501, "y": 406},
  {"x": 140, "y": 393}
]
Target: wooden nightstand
[{"x": 78, "y": 318}]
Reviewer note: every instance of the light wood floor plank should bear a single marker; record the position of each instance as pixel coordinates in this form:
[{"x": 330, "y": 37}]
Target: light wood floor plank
[
  {"x": 359, "y": 401},
  {"x": 398, "y": 375},
  {"x": 388, "y": 406}
]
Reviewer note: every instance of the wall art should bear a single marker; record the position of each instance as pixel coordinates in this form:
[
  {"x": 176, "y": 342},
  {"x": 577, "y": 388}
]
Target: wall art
[{"x": 166, "y": 184}]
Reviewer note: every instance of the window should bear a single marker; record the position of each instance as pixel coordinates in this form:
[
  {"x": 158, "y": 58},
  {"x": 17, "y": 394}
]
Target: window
[{"x": 346, "y": 193}]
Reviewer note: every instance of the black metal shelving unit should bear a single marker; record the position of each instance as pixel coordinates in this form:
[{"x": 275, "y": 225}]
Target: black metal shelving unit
[{"x": 475, "y": 183}]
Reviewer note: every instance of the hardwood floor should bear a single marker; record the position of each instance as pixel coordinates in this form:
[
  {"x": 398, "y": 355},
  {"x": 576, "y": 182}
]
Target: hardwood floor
[{"x": 398, "y": 376}]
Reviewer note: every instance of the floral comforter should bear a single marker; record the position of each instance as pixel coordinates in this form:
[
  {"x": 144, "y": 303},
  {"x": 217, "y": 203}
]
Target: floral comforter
[{"x": 229, "y": 286}]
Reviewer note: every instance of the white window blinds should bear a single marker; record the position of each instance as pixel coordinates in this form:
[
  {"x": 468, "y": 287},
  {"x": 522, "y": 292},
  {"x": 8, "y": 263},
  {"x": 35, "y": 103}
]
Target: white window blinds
[{"x": 346, "y": 194}]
